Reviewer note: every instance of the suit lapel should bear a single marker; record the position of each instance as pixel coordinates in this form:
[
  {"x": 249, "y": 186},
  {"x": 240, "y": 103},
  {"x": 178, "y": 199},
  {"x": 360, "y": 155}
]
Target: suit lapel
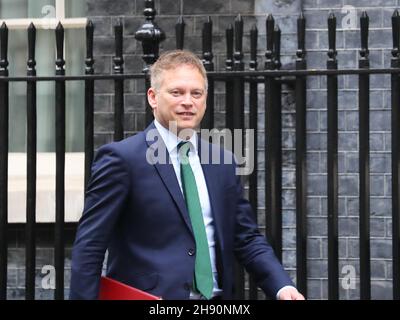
[{"x": 167, "y": 173}]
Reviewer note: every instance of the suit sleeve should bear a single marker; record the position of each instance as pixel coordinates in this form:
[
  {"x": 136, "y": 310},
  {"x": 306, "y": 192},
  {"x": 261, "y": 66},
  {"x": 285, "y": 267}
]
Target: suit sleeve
[
  {"x": 253, "y": 250},
  {"x": 104, "y": 201}
]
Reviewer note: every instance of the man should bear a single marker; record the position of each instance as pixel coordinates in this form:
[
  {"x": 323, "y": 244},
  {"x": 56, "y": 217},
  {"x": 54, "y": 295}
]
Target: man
[{"x": 172, "y": 224}]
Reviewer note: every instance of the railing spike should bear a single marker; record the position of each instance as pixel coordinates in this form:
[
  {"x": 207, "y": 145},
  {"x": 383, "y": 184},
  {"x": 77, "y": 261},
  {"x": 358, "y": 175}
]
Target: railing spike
[
  {"x": 364, "y": 25},
  {"x": 207, "y": 44},
  {"x": 238, "y": 54},
  {"x": 253, "y": 47},
  {"x": 301, "y": 35},
  {"x": 89, "y": 61},
  {"x": 229, "y": 47},
  {"x": 395, "y": 33},
  {"x": 180, "y": 32},
  {"x": 60, "y": 47},
  {"x": 270, "y": 23},
  {"x": 332, "y": 37},
  {"x": 3, "y": 47},
  {"x": 31, "y": 49}
]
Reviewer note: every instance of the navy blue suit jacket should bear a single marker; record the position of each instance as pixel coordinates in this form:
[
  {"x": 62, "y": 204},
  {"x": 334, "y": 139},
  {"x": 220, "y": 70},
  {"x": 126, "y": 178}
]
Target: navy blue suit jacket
[{"x": 136, "y": 210}]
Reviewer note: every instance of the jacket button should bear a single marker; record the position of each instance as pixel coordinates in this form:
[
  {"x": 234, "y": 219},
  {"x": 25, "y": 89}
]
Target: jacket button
[{"x": 191, "y": 252}]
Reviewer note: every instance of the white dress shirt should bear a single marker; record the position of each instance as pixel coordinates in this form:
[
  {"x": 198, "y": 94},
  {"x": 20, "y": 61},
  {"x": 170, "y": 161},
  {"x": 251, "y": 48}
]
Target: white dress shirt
[{"x": 171, "y": 142}]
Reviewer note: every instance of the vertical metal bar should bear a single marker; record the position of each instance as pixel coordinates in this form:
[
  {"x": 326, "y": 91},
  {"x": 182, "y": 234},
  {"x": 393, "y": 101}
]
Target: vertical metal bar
[
  {"x": 238, "y": 85},
  {"x": 363, "y": 98},
  {"x": 30, "y": 240},
  {"x": 208, "y": 119},
  {"x": 238, "y": 123},
  {"x": 301, "y": 158},
  {"x": 60, "y": 165},
  {"x": 3, "y": 159},
  {"x": 229, "y": 83},
  {"x": 230, "y": 125},
  {"x": 395, "y": 63},
  {"x": 118, "y": 84},
  {"x": 89, "y": 103},
  {"x": 253, "y": 102},
  {"x": 277, "y": 147},
  {"x": 180, "y": 32},
  {"x": 150, "y": 35},
  {"x": 271, "y": 174},
  {"x": 333, "y": 241}
]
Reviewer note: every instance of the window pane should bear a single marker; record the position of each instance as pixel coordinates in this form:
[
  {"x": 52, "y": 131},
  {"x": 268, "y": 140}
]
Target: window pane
[
  {"x": 75, "y": 90},
  {"x": 45, "y": 62},
  {"x": 13, "y": 9},
  {"x": 75, "y": 8}
]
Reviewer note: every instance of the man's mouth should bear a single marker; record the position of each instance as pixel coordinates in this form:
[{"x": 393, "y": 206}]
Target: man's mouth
[{"x": 186, "y": 114}]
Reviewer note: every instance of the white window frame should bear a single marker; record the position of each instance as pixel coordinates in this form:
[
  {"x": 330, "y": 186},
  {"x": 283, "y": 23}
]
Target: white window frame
[{"x": 45, "y": 180}]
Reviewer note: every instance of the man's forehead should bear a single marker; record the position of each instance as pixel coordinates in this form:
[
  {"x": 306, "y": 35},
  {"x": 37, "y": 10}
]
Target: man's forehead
[
  {"x": 170, "y": 74},
  {"x": 174, "y": 68}
]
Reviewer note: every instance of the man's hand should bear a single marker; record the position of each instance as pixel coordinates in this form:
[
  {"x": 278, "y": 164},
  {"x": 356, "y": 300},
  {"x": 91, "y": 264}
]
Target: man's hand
[{"x": 290, "y": 293}]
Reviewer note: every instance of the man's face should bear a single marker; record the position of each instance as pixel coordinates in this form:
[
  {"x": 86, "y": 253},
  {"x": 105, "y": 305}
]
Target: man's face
[{"x": 181, "y": 98}]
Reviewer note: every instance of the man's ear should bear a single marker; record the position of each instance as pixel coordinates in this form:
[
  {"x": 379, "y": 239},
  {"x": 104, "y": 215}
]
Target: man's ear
[{"x": 151, "y": 98}]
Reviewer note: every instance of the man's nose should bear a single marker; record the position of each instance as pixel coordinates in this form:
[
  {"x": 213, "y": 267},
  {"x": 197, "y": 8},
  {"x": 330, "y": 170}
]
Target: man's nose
[{"x": 187, "y": 99}]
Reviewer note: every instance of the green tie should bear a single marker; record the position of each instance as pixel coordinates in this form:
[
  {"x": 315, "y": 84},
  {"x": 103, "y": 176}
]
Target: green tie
[{"x": 203, "y": 280}]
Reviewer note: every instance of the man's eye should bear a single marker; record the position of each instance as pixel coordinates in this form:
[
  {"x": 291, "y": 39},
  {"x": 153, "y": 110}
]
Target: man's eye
[
  {"x": 197, "y": 94},
  {"x": 175, "y": 93}
]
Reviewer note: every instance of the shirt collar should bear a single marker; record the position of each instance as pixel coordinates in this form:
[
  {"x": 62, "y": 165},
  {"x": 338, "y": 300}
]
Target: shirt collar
[{"x": 171, "y": 140}]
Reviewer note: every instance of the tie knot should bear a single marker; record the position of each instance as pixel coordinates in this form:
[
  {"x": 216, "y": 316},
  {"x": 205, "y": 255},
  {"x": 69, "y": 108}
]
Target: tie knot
[{"x": 184, "y": 148}]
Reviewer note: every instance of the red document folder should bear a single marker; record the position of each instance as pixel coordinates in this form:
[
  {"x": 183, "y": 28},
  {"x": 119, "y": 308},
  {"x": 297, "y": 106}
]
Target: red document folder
[{"x": 111, "y": 289}]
